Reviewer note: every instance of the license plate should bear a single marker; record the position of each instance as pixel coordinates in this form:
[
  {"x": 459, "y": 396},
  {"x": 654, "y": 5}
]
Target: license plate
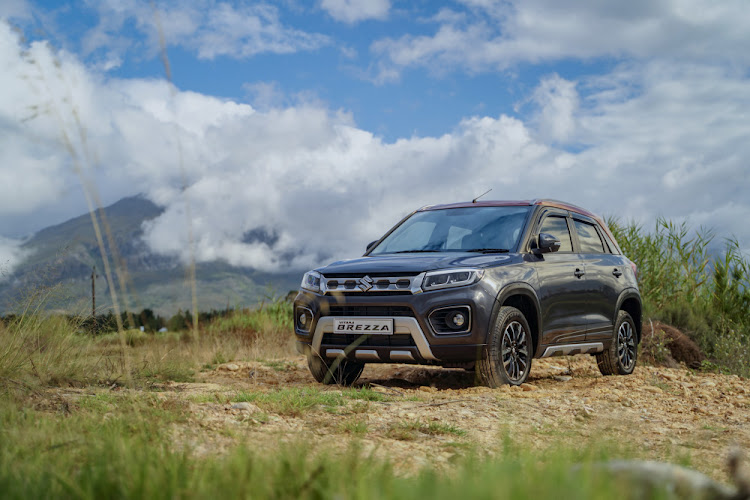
[{"x": 364, "y": 326}]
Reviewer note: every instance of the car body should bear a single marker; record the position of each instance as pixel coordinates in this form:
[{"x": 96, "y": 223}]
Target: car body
[{"x": 487, "y": 285}]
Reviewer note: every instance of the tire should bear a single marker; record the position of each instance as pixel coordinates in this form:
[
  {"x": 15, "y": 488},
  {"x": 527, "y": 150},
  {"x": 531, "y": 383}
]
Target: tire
[
  {"x": 506, "y": 359},
  {"x": 621, "y": 356},
  {"x": 339, "y": 372}
]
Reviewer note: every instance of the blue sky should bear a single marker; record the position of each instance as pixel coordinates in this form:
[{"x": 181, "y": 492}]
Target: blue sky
[
  {"x": 341, "y": 71},
  {"x": 303, "y": 118}
]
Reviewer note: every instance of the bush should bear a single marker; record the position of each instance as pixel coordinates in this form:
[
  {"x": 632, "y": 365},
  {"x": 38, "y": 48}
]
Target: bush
[
  {"x": 684, "y": 284},
  {"x": 44, "y": 350}
]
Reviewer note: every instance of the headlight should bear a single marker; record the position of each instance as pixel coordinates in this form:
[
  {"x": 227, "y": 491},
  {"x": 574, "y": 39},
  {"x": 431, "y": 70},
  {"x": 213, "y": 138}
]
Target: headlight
[
  {"x": 455, "y": 277},
  {"x": 311, "y": 281}
]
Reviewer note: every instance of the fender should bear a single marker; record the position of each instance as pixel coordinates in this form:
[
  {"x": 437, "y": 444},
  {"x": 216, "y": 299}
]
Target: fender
[
  {"x": 631, "y": 293},
  {"x": 518, "y": 288}
]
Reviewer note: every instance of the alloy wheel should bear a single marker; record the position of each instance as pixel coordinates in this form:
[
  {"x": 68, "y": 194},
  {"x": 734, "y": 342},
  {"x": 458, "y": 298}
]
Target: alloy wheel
[
  {"x": 515, "y": 351},
  {"x": 626, "y": 345}
]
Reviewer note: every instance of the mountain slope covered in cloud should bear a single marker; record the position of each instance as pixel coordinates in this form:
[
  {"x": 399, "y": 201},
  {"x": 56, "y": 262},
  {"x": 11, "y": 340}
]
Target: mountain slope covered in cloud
[{"x": 61, "y": 257}]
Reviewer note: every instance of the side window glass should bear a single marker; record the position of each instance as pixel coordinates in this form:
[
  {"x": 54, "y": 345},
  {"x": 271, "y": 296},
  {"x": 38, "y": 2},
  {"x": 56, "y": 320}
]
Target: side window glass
[
  {"x": 609, "y": 244},
  {"x": 558, "y": 227},
  {"x": 588, "y": 238},
  {"x": 606, "y": 244}
]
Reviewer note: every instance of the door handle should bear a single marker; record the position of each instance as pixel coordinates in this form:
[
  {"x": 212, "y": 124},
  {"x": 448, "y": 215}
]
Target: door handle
[
  {"x": 617, "y": 273},
  {"x": 579, "y": 273}
]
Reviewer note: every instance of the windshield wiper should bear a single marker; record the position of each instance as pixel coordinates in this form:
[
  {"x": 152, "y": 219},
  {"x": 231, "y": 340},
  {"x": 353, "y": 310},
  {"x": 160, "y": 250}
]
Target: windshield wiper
[
  {"x": 415, "y": 251},
  {"x": 489, "y": 250}
]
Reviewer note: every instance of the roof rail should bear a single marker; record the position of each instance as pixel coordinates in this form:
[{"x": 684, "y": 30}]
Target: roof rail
[{"x": 552, "y": 201}]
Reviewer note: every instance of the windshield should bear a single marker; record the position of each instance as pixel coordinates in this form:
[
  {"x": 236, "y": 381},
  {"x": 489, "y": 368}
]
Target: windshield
[{"x": 477, "y": 229}]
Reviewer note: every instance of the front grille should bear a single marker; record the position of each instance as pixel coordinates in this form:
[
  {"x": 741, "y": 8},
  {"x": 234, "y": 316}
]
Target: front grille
[
  {"x": 377, "y": 284},
  {"x": 396, "y": 340},
  {"x": 368, "y": 284},
  {"x": 352, "y": 310}
]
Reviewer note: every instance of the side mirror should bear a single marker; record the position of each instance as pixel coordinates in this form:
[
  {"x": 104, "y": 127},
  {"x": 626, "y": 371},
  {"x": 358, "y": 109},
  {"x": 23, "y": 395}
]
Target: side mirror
[
  {"x": 547, "y": 243},
  {"x": 370, "y": 245}
]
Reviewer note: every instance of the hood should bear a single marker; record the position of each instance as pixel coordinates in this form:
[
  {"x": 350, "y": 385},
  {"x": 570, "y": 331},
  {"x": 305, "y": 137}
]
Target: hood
[{"x": 412, "y": 264}]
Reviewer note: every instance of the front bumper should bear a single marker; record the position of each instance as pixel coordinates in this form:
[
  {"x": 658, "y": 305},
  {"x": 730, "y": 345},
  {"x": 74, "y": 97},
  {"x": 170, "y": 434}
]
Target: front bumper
[{"x": 413, "y": 341}]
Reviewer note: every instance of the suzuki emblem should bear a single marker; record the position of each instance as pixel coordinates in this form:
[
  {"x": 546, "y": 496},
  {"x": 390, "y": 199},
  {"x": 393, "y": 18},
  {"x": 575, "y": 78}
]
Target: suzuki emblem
[{"x": 365, "y": 283}]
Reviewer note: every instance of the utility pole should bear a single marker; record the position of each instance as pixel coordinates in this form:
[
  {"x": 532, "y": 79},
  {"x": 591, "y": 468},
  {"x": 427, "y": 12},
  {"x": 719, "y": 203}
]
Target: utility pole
[{"x": 93, "y": 296}]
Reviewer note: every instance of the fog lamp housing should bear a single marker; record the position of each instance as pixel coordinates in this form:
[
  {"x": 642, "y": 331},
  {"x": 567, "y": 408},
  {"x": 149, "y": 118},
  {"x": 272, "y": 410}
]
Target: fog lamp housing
[
  {"x": 303, "y": 319},
  {"x": 451, "y": 320}
]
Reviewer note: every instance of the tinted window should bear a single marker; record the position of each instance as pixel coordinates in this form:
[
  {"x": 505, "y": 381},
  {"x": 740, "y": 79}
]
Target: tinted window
[
  {"x": 588, "y": 238},
  {"x": 457, "y": 230},
  {"x": 558, "y": 227}
]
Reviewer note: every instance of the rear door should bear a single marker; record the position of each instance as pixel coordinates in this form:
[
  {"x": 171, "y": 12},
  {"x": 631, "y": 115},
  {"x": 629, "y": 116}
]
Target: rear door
[
  {"x": 603, "y": 278},
  {"x": 562, "y": 287}
]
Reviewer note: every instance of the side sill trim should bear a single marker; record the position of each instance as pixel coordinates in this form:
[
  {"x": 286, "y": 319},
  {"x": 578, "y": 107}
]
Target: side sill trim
[{"x": 570, "y": 349}]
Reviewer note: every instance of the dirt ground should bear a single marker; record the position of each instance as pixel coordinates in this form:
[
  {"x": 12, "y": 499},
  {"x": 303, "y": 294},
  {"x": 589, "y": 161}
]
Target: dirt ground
[{"x": 658, "y": 413}]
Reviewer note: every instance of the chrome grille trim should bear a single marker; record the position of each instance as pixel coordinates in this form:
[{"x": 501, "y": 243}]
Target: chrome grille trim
[{"x": 365, "y": 284}]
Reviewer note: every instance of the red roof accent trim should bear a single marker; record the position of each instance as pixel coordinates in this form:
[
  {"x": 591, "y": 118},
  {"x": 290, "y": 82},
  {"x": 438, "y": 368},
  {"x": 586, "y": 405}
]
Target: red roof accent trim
[{"x": 483, "y": 203}]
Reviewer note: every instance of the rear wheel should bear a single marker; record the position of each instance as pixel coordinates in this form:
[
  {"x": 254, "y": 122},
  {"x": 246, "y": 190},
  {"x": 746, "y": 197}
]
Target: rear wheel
[
  {"x": 622, "y": 354},
  {"x": 507, "y": 357},
  {"x": 339, "y": 371}
]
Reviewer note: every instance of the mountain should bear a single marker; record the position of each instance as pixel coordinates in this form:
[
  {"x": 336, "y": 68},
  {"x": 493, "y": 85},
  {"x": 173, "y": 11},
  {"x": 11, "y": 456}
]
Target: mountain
[{"x": 60, "y": 259}]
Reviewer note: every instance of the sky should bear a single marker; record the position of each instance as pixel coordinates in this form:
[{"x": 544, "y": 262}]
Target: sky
[{"x": 319, "y": 124}]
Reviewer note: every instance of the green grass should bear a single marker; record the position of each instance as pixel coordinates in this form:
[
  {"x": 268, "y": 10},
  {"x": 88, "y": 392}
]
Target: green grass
[
  {"x": 113, "y": 445},
  {"x": 292, "y": 402},
  {"x": 279, "y": 366},
  {"x": 411, "y": 429},
  {"x": 355, "y": 425},
  {"x": 296, "y": 401},
  {"x": 42, "y": 350},
  {"x": 275, "y": 315}
]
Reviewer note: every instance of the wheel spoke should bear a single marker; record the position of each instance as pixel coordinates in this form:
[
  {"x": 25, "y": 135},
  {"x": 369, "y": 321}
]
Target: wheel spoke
[
  {"x": 518, "y": 330},
  {"x": 522, "y": 363},
  {"x": 626, "y": 346}
]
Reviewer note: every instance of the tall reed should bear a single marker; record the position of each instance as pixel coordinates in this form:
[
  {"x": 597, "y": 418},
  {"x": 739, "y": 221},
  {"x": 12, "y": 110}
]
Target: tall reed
[{"x": 685, "y": 281}]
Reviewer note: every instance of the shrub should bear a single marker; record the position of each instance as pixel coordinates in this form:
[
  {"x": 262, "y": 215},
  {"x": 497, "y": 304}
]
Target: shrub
[{"x": 684, "y": 284}]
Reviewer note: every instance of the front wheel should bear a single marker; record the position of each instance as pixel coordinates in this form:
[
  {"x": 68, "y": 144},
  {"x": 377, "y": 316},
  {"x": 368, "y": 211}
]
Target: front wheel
[
  {"x": 507, "y": 357},
  {"x": 622, "y": 354},
  {"x": 339, "y": 371}
]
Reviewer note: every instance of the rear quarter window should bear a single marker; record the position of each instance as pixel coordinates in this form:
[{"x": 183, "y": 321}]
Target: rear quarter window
[{"x": 588, "y": 237}]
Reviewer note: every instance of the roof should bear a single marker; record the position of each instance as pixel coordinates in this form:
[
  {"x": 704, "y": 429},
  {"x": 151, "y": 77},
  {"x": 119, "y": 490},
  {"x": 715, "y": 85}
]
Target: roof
[{"x": 513, "y": 203}]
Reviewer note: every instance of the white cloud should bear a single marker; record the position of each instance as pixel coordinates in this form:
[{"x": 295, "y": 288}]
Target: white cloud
[
  {"x": 11, "y": 254},
  {"x": 354, "y": 11},
  {"x": 294, "y": 187},
  {"x": 210, "y": 28},
  {"x": 14, "y": 9},
  {"x": 499, "y": 34},
  {"x": 265, "y": 95},
  {"x": 558, "y": 100}
]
